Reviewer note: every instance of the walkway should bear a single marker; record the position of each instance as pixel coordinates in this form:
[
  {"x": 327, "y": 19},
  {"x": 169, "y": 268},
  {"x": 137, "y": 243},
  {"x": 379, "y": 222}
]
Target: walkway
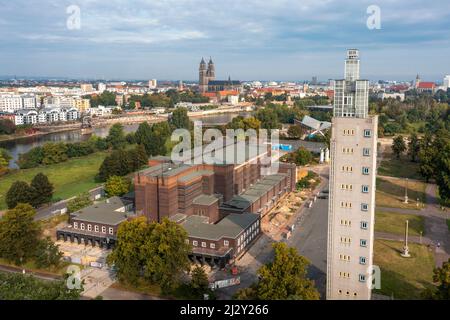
[{"x": 436, "y": 228}]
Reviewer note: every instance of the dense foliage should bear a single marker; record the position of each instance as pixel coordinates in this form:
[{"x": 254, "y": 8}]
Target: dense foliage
[
  {"x": 283, "y": 278},
  {"x": 14, "y": 286},
  {"x": 39, "y": 192},
  {"x": 156, "y": 253}
]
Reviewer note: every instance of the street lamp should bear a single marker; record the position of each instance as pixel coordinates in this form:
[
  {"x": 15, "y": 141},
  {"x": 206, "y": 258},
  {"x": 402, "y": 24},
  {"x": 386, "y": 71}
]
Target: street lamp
[
  {"x": 406, "y": 191},
  {"x": 405, "y": 253}
]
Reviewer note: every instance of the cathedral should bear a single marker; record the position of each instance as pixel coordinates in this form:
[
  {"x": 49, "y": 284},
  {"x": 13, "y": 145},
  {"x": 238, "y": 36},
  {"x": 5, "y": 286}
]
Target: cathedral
[{"x": 208, "y": 83}]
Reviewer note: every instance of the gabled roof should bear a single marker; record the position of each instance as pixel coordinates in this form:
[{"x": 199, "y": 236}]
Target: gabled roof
[{"x": 426, "y": 85}]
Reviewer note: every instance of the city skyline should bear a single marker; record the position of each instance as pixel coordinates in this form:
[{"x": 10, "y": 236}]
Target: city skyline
[{"x": 250, "y": 41}]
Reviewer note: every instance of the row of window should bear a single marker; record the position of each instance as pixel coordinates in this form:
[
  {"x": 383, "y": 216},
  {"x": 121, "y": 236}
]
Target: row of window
[
  {"x": 346, "y": 150},
  {"x": 349, "y": 187},
  {"x": 347, "y": 223},
  {"x": 365, "y": 170},
  {"x": 346, "y": 275},
  {"x": 211, "y": 245},
  {"x": 250, "y": 230},
  {"x": 347, "y": 293},
  {"x": 351, "y": 132},
  {"x": 346, "y": 258},
  {"x": 89, "y": 228},
  {"x": 349, "y": 205},
  {"x": 348, "y": 240},
  {"x": 247, "y": 241}
]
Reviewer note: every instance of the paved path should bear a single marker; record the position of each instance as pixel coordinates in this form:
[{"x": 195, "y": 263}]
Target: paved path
[{"x": 436, "y": 228}]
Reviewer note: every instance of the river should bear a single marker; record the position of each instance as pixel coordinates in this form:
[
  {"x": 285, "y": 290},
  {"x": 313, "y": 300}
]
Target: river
[{"x": 23, "y": 145}]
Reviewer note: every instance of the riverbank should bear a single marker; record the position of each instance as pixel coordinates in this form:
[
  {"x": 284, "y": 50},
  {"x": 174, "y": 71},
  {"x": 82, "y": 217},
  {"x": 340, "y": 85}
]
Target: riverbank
[{"x": 49, "y": 130}]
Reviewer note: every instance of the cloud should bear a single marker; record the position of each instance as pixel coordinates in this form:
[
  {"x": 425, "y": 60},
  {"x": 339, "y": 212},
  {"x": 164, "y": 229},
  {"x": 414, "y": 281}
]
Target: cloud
[{"x": 252, "y": 30}]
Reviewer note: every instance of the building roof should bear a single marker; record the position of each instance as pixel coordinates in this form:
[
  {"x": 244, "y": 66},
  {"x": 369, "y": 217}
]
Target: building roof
[
  {"x": 229, "y": 227},
  {"x": 195, "y": 174},
  {"x": 426, "y": 85},
  {"x": 315, "y": 124},
  {"x": 205, "y": 200},
  {"x": 224, "y": 82},
  {"x": 252, "y": 194},
  {"x": 105, "y": 213}
]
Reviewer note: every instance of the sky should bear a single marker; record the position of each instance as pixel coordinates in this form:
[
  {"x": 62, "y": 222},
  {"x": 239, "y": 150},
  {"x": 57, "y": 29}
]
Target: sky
[{"x": 248, "y": 39}]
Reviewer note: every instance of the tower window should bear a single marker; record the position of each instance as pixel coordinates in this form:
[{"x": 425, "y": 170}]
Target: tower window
[
  {"x": 365, "y": 189},
  {"x": 365, "y": 170},
  {"x": 364, "y": 225},
  {"x": 367, "y": 133},
  {"x": 366, "y": 152},
  {"x": 364, "y": 207},
  {"x": 362, "y": 260},
  {"x": 362, "y": 278},
  {"x": 363, "y": 243}
]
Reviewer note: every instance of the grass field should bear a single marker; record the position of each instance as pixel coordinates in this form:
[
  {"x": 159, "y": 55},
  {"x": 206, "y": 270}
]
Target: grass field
[
  {"x": 69, "y": 178},
  {"x": 402, "y": 168},
  {"x": 403, "y": 278},
  {"x": 395, "y": 223},
  {"x": 391, "y": 193}
]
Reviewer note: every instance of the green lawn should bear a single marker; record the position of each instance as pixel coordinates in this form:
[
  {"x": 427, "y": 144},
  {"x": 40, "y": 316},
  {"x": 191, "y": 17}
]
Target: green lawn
[
  {"x": 403, "y": 278},
  {"x": 394, "y": 223},
  {"x": 402, "y": 168},
  {"x": 391, "y": 193},
  {"x": 70, "y": 178}
]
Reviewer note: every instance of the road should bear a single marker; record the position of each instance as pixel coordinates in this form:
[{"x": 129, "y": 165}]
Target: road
[
  {"x": 309, "y": 238},
  {"x": 61, "y": 206}
]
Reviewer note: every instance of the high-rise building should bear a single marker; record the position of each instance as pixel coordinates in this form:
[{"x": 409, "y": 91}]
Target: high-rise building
[
  {"x": 447, "y": 82},
  {"x": 352, "y": 188},
  {"x": 152, "y": 84},
  {"x": 101, "y": 87}
]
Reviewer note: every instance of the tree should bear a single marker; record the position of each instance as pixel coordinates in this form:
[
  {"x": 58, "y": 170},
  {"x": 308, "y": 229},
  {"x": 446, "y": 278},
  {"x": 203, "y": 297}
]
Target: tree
[
  {"x": 268, "y": 118},
  {"x": 19, "y": 192},
  {"x": 116, "y": 137},
  {"x": 54, "y": 153},
  {"x": 413, "y": 147},
  {"x": 167, "y": 254},
  {"x": 143, "y": 133},
  {"x": 398, "y": 146},
  {"x": 117, "y": 186},
  {"x": 158, "y": 251},
  {"x": 441, "y": 276},
  {"x": 199, "y": 281},
  {"x": 303, "y": 157},
  {"x": 127, "y": 257},
  {"x": 42, "y": 190},
  {"x": 47, "y": 254},
  {"x": 80, "y": 202},
  {"x": 283, "y": 278},
  {"x": 442, "y": 165},
  {"x": 19, "y": 234},
  {"x": 118, "y": 163},
  {"x": 427, "y": 155},
  {"x": 7, "y": 126},
  {"x": 295, "y": 131},
  {"x": 32, "y": 158},
  {"x": 180, "y": 119},
  {"x": 16, "y": 286}
]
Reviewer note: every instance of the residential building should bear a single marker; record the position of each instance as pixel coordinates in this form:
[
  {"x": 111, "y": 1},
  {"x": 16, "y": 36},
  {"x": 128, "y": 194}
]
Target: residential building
[
  {"x": 25, "y": 116},
  {"x": 86, "y": 87},
  {"x": 447, "y": 82},
  {"x": 12, "y": 103},
  {"x": 101, "y": 87},
  {"x": 391, "y": 95},
  {"x": 352, "y": 188}
]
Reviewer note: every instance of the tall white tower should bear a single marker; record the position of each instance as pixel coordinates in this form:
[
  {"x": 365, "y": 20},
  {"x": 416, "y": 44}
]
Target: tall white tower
[{"x": 352, "y": 188}]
